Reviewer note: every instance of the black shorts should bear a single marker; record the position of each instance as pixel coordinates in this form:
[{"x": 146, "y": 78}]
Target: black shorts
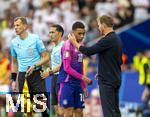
[
  {"x": 54, "y": 89},
  {"x": 35, "y": 83}
]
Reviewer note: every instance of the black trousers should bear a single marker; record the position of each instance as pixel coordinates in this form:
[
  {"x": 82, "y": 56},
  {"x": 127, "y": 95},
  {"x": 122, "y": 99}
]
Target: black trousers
[
  {"x": 109, "y": 100},
  {"x": 34, "y": 81},
  {"x": 35, "y": 84},
  {"x": 54, "y": 87}
]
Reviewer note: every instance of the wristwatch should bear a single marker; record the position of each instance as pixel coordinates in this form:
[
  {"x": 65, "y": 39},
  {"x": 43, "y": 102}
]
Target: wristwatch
[{"x": 35, "y": 66}]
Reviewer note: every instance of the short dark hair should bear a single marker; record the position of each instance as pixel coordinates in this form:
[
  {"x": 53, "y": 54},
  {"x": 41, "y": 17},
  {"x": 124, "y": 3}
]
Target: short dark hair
[
  {"x": 23, "y": 19},
  {"x": 106, "y": 19},
  {"x": 59, "y": 28},
  {"x": 77, "y": 25}
]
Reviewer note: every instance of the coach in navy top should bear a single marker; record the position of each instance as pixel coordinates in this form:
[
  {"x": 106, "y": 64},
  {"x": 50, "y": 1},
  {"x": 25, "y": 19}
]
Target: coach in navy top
[{"x": 109, "y": 50}]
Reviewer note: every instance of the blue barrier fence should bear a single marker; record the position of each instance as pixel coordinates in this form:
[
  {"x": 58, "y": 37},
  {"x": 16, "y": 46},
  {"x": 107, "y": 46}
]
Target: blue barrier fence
[{"x": 130, "y": 90}]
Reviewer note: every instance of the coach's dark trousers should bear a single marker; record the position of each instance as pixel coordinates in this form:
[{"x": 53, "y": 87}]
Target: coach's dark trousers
[{"x": 109, "y": 100}]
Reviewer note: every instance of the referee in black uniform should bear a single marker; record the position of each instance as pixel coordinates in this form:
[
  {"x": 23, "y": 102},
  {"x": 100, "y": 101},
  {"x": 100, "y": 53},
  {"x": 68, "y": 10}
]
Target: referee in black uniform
[{"x": 109, "y": 50}]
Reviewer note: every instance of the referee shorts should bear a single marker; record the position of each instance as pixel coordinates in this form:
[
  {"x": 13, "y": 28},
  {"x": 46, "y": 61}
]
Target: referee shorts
[
  {"x": 54, "y": 89},
  {"x": 35, "y": 83}
]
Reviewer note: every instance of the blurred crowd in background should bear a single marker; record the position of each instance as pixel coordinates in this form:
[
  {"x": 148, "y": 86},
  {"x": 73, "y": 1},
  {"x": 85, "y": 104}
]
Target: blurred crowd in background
[{"x": 41, "y": 14}]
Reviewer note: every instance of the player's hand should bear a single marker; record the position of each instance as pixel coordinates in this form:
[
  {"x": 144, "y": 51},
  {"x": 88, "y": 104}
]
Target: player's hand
[
  {"x": 87, "y": 80},
  {"x": 29, "y": 71},
  {"x": 145, "y": 94},
  {"x": 96, "y": 77},
  {"x": 44, "y": 74},
  {"x": 13, "y": 84},
  {"x": 86, "y": 94}
]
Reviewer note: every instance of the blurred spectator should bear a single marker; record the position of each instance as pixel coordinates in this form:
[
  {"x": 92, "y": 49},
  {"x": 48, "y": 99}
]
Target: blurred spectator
[
  {"x": 7, "y": 35},
  {"x": 81, "y": 3},
  {"x": 92, "y": 64},
  {"x": 40, "y": 28},
  {"x": 93, "y": 106},
  {"x": 30, "y": 17},
  {"x": 50, "y": 15},
  {"x": 124, "y": 58},
  {"x": 6, "y": 19},
  {"x": 137, "y": 60},
  {"x": 88, "y": 3},
  {"x": 120, "y": 19},
  {"x": 14, "y": 10},
  {"x": 69, "y": 14},
  {"x": 23, "y": 7},
  {"x": 144, "y": 69},
  {"x": 141, "y": 7},
  {"x": 87, "y": 14},
  {"x": 141, "y": 63},
  {"x": 125, "y": 14},
  {"x": 124, "y": 62},
  {"x": 92, "y": 32},
  {"x": 106, "y": 7},
  {"x": 149, "y": 7},
  {"x": 4, "y": 4},
  {"x": 129, "y": 12},
  {"x": 85, "y": 65},
  {"x": 5, "y": 73},
  {"x": 91, "y": 72},
  {"x": 146, "y": 102},
  {"x": 31, "y": 5}
]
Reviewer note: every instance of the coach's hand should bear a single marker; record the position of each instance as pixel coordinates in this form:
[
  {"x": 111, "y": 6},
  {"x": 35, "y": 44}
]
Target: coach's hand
[
  {"x": 96, "y": 77},
  {"x": 72, "y": 39}
]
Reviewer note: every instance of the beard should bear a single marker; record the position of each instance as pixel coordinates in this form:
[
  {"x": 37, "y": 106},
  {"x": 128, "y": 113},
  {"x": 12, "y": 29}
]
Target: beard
[{"x": 53, "y": 39}]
